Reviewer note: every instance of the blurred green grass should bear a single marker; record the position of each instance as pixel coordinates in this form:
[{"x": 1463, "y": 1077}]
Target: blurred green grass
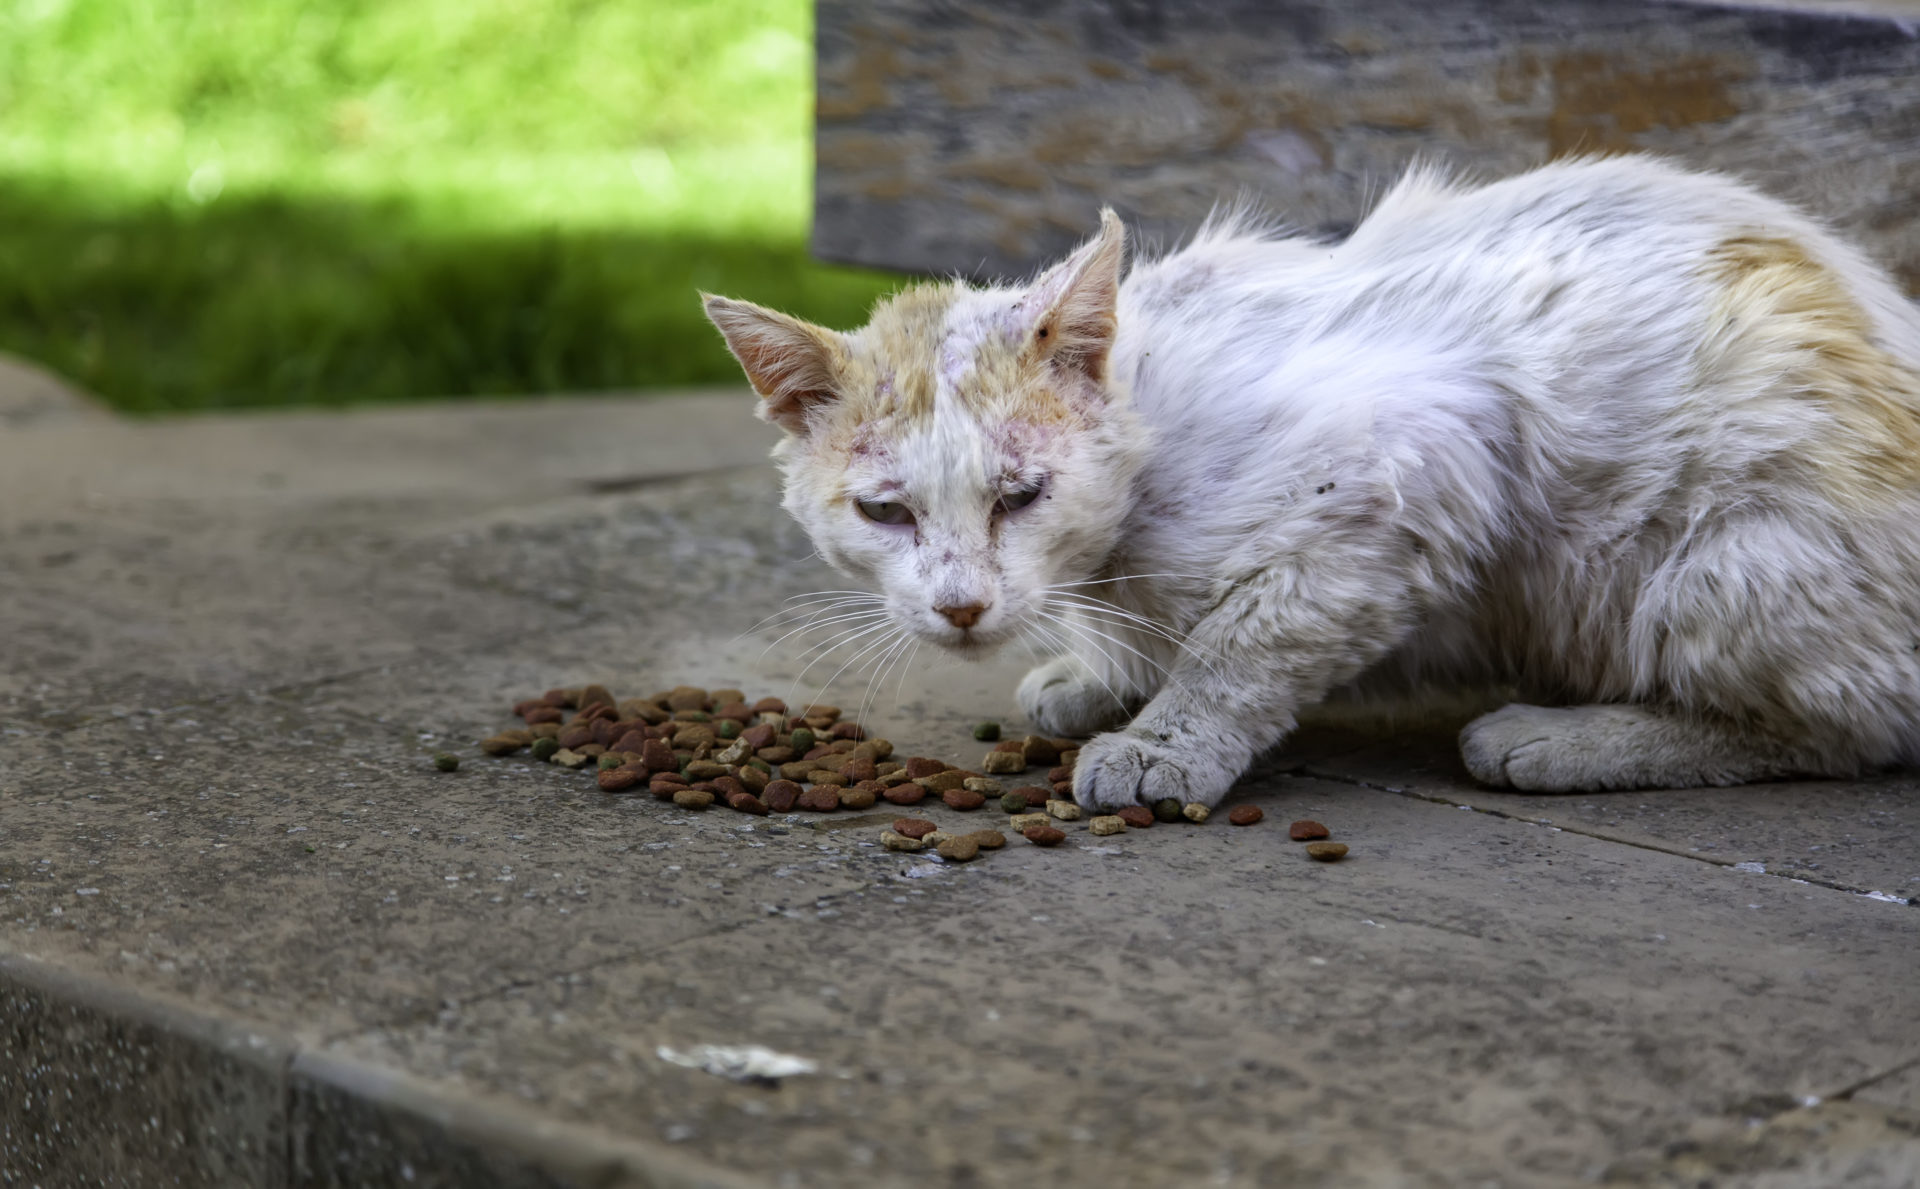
[{"x": 216, "y": 204}]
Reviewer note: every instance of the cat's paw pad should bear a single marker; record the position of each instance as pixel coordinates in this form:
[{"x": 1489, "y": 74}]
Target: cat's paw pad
[
  {"x": 1125, "y": 768},
  {"x": 1524, "y": 747},
  {"x": 1062, "y": 698}
]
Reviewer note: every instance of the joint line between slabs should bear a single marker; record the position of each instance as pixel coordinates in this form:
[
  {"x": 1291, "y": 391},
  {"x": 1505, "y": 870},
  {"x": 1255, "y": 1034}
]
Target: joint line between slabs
[{"x": 1308, "y": 770}]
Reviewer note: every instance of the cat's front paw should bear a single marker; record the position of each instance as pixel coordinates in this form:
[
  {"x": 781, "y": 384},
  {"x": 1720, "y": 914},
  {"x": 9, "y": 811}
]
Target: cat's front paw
[
  {"x": 1129, "y": 768},
  {"x": 1062, "y": 697},
  {"x": 1541, "y": 749}
]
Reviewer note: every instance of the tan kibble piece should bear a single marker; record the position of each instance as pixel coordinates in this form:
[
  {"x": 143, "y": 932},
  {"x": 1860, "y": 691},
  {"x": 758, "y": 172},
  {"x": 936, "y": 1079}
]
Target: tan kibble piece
[
  {"x": 941, "y": 782},
  {"x": 1026, "y": 821},
  {"x": 1195, "y": 812},
  {"x": 571, "y": 759},
  {"x": 901, "y": 842},
  {"x": 936, "y": 837},
  {"x": 986, "y": 786},
  {"x": 693, "y": 798},
  {"x": 895, "y": 778},
  {"x": 1066, "y": 811},
  {"x": 1004, "y": 763},
  {"x": 1327, "y": 852},
  {"x": 1107, "y": 824},
  {"x": 856, "y": 799}
]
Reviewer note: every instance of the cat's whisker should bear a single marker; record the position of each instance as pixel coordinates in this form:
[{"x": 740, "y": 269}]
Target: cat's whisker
[
  {"x": 816, "y": 624},
  {"x": 1132, "y": 578},
  {"x": 1064, "y": 646},
  {"x": 1077, "y": 625},
  {"x": 900, "y": 686},
  {"x": 882, "y": 642},
  {"x": 877, "y": 679},
  {"x": 1127, "y": 622},
  {"x": 830, "y": 599},
  {"x": 821, "y": 650},
  {"x": 823, "y": 653},
  {"x": 1105, "y": 608}
]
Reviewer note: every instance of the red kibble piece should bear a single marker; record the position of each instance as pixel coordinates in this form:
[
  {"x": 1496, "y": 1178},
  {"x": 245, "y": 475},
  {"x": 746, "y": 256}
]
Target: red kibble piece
[
  {"x": 760, "y": 736},
  {"x": 781, "y": 795},
  {"x": 1137, "y": 817},
  {"x": 1060, "y": 775},
  {"x": 747, "y": 803},
  {"x": 820, "y": 799},
  {"x": 576, "y": 737},
  {"x": 1245, "y": 815},
  {"x": 1044, "y": 835},
  {"x": 848, "y": 730},
  {"x": 965, "y": 800},
  {"x": 860, "y": 770},
  {"x": 737, "y": 711},
  {"x": 914, "y": 827},
  {"x": 1036, "y": 796},
  {"x": 817, "y": 752},
  {"x": 906, "y": 794},
  {"x": 657, "y": 755},
  {"x": 558, "y": 697},
  {"x": 619, "y": 780},
  {"x": 918, "y": 766},
  {"x": 1063, "y": 789},
  {"x": 1305, "y": 830},
  {"x": 1013, "y": 746},
  {"x": 631, "y": 741},
  {"x": 769, "y": 706},
  {"x": 729, "y": 785}
]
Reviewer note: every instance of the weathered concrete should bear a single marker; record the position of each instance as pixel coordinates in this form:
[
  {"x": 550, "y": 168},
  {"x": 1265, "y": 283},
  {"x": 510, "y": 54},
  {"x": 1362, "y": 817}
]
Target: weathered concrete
[
  {"x": 248, "y": 935},
  {"x": 985, "y": 137}
]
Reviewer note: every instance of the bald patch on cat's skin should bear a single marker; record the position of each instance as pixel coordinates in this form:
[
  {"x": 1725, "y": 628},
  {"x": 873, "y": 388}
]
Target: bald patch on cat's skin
[{"x": 1780, "y": 309}]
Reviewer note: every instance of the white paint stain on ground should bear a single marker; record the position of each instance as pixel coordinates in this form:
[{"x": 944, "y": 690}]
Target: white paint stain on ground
[{"x": 740, "y": 1063}]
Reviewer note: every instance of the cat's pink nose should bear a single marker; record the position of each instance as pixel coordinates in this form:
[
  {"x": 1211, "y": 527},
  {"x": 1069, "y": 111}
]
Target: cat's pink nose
[{"x": 963, "y": 617}]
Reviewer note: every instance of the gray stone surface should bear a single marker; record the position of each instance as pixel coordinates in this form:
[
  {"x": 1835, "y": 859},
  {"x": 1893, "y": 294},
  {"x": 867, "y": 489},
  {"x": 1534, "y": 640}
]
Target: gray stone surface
[
  {"x": 984, "y": 138},
  {"x": 218, "y": 821}
]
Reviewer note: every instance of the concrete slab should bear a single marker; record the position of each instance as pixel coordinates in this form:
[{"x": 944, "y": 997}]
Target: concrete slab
[
  {"x": 218, "y": 820},
  {"x": 1859, "y": 836}
]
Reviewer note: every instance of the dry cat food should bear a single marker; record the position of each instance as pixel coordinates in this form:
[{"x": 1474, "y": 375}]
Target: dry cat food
[
  {"x": 700, "y": 748},
  {"x": 1306, "y": 830}
]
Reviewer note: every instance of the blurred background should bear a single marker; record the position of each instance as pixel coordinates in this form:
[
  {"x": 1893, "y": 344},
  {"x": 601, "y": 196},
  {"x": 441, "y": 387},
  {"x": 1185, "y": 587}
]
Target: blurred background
[{"x": 211, "y": 203}]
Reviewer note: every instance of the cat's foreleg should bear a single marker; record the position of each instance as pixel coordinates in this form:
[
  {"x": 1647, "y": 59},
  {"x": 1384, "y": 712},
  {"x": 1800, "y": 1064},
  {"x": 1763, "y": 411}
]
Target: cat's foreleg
[
  {"x": 1581, "y": 748},
  {"x": 1076, "y": 694},
  {"x": 1279, "y": 641}
]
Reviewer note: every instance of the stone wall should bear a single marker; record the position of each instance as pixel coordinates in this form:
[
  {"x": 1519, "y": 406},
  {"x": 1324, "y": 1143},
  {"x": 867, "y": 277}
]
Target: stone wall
[{"x": 982, "y": 138}]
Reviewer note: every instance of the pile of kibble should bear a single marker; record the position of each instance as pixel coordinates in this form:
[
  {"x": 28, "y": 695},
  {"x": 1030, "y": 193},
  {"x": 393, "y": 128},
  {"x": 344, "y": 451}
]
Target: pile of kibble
[{"x": 695, "y": 747}]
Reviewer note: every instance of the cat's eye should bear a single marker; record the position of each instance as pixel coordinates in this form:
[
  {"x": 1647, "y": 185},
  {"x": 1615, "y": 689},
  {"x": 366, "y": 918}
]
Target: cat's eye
[
  {"x": 1013, "y": 501},
  {"x": 885, "y": 511}
]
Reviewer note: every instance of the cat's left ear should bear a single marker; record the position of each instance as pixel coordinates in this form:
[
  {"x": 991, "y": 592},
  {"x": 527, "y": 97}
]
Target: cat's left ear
[{"x": 1075, "y": 299}]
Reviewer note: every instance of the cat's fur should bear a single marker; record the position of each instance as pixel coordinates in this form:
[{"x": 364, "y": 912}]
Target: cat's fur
[{"x": 1640, "y": 441}]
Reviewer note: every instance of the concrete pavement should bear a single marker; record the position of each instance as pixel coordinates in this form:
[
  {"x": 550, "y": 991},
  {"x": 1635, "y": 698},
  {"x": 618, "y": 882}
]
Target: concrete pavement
[{"x": 248, "y": 935}]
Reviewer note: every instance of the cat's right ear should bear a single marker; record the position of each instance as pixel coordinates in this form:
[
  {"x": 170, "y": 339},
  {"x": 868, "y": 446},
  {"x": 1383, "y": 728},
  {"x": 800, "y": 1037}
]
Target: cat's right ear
[{"x": 793, "y": 365}]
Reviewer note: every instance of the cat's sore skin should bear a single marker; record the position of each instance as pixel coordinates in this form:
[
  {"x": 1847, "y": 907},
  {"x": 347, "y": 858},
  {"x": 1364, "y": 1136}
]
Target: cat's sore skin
[{"x": 1629, "y": 436}]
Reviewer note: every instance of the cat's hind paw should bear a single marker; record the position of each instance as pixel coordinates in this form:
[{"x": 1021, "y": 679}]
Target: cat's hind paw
[
  {"x": 1062, "y": 698},
  {"x": 1126, "y": 768}
]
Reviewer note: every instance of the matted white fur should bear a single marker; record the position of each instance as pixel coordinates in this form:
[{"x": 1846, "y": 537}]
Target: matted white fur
[{"x": 1636, "y": 440}]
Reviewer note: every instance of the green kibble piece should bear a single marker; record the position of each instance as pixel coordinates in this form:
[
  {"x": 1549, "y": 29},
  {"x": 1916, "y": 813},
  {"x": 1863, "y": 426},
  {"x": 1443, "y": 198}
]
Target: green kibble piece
[
  {"x": 446, "y": 761},
  {"x": 727, "y": 728},
  {"x": 987, "y": 732},
  {"x": 761, "y": 764},
  {"x": 803, "y": 741},
  {"x": 543, "y": 749},
  {"x": 1014, "y": 803},
  {"x": 610, "y": 761},
  {"x": 1167, "y": 810}
]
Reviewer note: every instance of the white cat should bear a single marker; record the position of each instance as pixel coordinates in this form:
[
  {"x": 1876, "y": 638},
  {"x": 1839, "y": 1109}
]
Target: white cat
[{"x": 1640, "y": 442}]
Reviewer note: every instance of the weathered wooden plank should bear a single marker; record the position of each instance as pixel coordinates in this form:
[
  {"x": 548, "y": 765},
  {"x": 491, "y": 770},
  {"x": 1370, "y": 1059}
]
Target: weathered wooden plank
[{"x": 982, "y": 138}]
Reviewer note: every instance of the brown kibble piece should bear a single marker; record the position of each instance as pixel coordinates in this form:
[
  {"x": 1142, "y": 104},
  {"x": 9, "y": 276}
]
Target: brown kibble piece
[
  {"x": 913, "y": 827},
  {"x": 693, "y": 798},
  {"x": 988, "y": 839},
  {"x": 848, "y": 730},
  {"x": 857, "y": 798},
  {"x": 820, "y": 800},
  {"x": 964, "y": 800},
  {"x": 781, "y": 795},
  {"x": 1060, "y": 775},
  {"x": 687, "y": 697},
  {"x": 940, "y": 782},
  {"x": 1044, "y": 835},
  {"x": 559, "y": 697},
  {"x": 737, "y": 711},
  {"x": 544, "y": 714},
  {"x": 501, "y": 745},
  {"x": 747, "y": 803},
  {"x": 619, "y": 780},
  {"x": 958, "y": 850},
  {"x": 827, "y": 712},
  {"x": 1137, "y": 817},
  {"x": 859, "y": 769},
  {"x": 631, "y": 741},
  {"x": 666, "y": 784},
  {"x": 1327, "y": 852},
  {"x": 1038, "y": 797},
  {"x": 906, "y": 794},
  {"x": 918, "y": 766},
  {"x": 777, "y": 755},
  {"x": 1306, "y": 830},
  {"x": 769, "y": 706},
  {"x": 596, "y": 695},
  {"x": 1245, "y": 815},
  {"x": 835, "y": 779},
  {"x": 657, "y": 756},
  {"x": 1040, "y": 751},
  {"x": 576, "y": 736}
]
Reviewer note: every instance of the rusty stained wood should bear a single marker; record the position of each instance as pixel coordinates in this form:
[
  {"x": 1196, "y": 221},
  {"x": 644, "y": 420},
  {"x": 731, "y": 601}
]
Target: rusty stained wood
[{"x": 982, "y": 138}]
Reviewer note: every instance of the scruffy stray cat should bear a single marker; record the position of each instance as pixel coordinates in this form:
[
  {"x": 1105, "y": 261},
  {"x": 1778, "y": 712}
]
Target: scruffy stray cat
[{"x": 1641, "y": 442}]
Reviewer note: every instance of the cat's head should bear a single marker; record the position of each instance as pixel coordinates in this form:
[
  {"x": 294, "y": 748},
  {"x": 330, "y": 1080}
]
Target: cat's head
[{"x": 965, "y": 450}]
